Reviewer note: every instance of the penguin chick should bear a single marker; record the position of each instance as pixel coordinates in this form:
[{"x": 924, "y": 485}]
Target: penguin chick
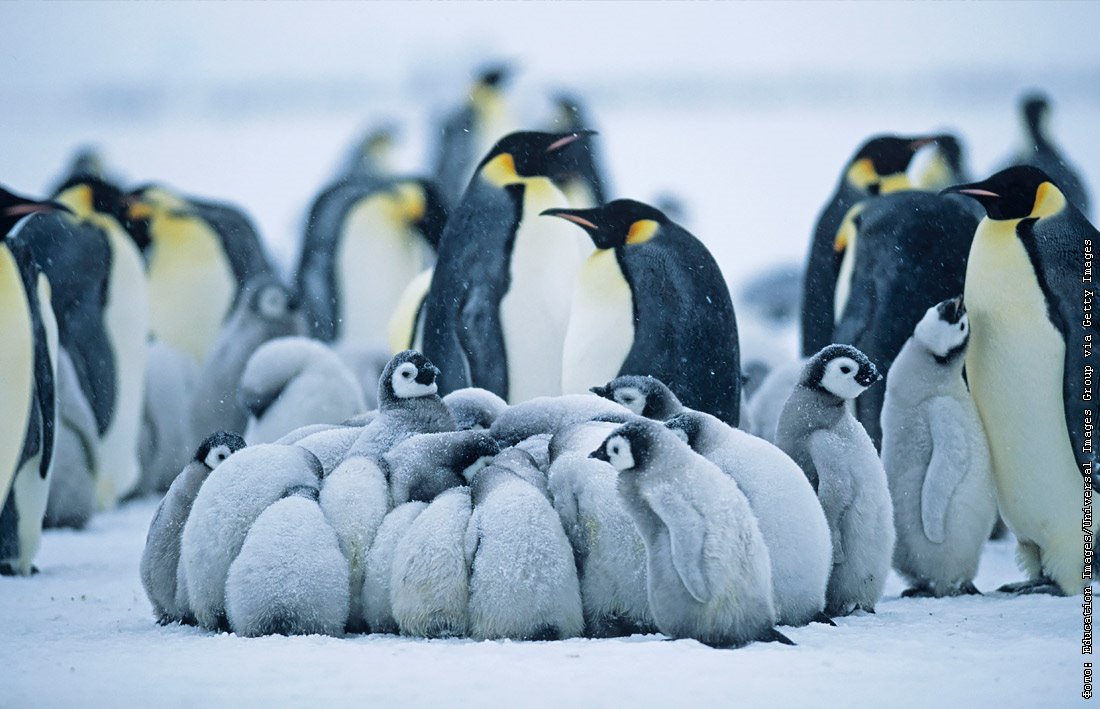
[
  {"x": 523, "y": 582},
  {"x": 227, "y": 504},
  {"x": 289, "y": 577},
  {"x": 936, "y": 458},
  {"x": 537, "y": 448},
  {"x": 330, "y": 444},
  {"x": 818, "y": 431},
  {"x": 474, "y": 408},
  {"x": 295, "y": 381},
  {"x": 407, "y": 405},
  {"x": 265, "y": 311},
  {"x": 377, "y": 609},
  {"x": 608, "y": 551},
  {"x": 425, "y": 465},
  {"x": 355, "y": 500},
  {"x": 162, "y": 574},
  {"x": 709, "y": 575},
  {"x": 778, "y": 492},
  {"x": 430, "y": 573},
  {"x": 549, "y": 414},
  {"x": 644, "y": 395}
]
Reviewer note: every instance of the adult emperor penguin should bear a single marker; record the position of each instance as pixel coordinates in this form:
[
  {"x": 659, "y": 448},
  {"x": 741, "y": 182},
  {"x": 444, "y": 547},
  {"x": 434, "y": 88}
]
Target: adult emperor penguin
[
  {"x": 162, "y": 576},
  {"x": 878, "y": 167},
  {"x": 1029, "y": 296},
  {"x": 651, "y": 300},
  {"x": 126, "y": 315},
  {"x": 199, "y": 254},
  {"x": 708, "y": 570},
  {"x": 936, "y": 458},
  {"x": 777, "y": 491},
  {"x": 26, "y": 389},
  {"x": 76, "y": 452},
  {"x": 472, "y": 129},
  {"x": 644, "y": 395},
  {"x": 910, "y": 254},
  {"x": 818, "y": 431},
  {"x": 499, "y": 266},
  {"x": 230, "y": 500},
  {"x": 1038, "y": 150},
  {"x": 389, "y": 227}
]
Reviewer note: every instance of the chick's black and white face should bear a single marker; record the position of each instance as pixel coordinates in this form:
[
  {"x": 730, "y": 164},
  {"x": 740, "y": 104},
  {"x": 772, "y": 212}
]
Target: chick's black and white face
[
  {"x": 409, "y": 382},
  {"x": 619, "y": 453},
  {"x": 844, "y": 378},
  {"x": 939, "y": 335},
  {"x": 216, "y": 455},
  {"x": 630, "y": 397}
]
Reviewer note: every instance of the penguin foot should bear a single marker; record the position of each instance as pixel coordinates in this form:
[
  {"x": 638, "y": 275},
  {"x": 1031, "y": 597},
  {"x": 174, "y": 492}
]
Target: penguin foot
[
  {"x": 969, "y": 589},
  {"x": 823, "y": 619},
  {"x": 774, "y": 636},
  {"x": 6, "y": 569},
  {"x": 1038, "y": 585},
  {"x": 921, "y": 591}
]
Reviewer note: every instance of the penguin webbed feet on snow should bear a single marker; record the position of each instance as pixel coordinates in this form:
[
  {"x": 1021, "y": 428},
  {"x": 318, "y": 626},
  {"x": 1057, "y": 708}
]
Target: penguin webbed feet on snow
[
  {"x": 822, "y": 618},
  {"x": 921, "y": 590},
  {"x": 6, "y": 569},
  {"x": 1042, "y": 584},
  {"x": 774, "y": 636}
]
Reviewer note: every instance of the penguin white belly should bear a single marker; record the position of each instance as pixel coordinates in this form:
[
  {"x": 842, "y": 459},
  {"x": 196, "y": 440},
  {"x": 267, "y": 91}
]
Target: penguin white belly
[
  {"x": 534, "y": 313},
  {"x": 1015, "y": 367},
  {"x": 375, "y": 260},
  {"x": 17, "y": 373},
  {"x": 601, "y": 325},
  {"x": 191, "y": 288},
  {"x": 126, "y": 317},
  {"x": 403, "y": 331}
]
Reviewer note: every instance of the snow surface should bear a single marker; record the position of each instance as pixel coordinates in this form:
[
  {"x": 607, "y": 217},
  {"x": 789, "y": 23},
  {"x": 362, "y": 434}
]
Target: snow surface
[{"x": 82, "y": 633}]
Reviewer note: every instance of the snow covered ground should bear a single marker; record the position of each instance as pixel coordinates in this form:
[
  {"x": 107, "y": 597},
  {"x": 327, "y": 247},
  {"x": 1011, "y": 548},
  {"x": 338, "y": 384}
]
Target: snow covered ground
[{"x": 81, "y": 633}]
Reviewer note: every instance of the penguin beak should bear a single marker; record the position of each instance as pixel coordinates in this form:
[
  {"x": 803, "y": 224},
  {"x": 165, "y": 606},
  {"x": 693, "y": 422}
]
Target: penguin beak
[
  {"x": 604, "y": 391},
  {"x": 568, "y": 139},
  {"x": 572, "y": 216},
  {"x": 30, "y": 207},
  {"x": 427, "y": 374},
  {"x": 600, "y": 454}
]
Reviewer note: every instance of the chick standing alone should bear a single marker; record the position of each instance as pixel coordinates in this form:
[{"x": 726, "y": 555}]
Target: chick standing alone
[
  {"x": 936, "y": 458},
  {"x": 834, "y": 451}
]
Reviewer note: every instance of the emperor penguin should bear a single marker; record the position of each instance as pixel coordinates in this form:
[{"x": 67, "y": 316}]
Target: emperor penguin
[
  {"x": 126, "y": 316},
  {"x": 523, "y": 580},
  {"x": 233, "y": 496},
  {"x": 71, "y": 500},
  {"x": 199, "y": 256},
  {"x": 265, "y": 311},
  {"x": 1038, "y": 150},
  {"x": 936, "y": 458},
  {"x": 470, "y": 130},
  {"x": 645, "y": 396},
  {"x": 377, "y": 581},
  {"x": 474, "y": 409},
  {"x": 651, "y": 300},
  {"x": 27, "y": 389},
  {"x": 586, "y": 185},
  {"x": 607, "y": 548},
  {"x": 390, "y": 227},
  {"x": 708, "y": 568},
  {"x": 408, "y": 404},
  {"x": 372, "y": 154},
  {"x": 777, "y": 492},
  {"x": 423, "y": 466},
  {"x": 910, "y": 254},
  {"x": 430, "y": 572},
  {"x": 499, "y": 267},
  {"x": 819, "y": 432},
  {"x": 878, "y": 167},
  {"x": 289, "y": 577},
  {"x": 291, "y": 382},
  {"x": 1030, "y": 298},
  {"x": 162, "y": 575}
]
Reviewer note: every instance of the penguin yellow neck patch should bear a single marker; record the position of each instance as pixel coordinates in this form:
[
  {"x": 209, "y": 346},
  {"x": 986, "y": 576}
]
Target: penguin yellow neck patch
[
  {"x": 862, "y": 174},
  {"x": 411, "y": 201},
  {"x": 641, "y": 231},
  {"x": 1049, "y": 200},
  {"x": 79, "y": 199},
  {"x": 501, "y": 170}
]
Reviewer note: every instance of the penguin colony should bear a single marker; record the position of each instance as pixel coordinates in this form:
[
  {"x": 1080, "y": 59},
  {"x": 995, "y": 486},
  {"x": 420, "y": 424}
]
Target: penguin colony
[{"x": 406, "y": 454}]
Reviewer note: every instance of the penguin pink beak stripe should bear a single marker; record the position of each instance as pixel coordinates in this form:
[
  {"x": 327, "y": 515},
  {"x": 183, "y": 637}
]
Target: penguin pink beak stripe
[
  {"x": 562, "y": 142},
  {"x": 577, "y": 220},
  {"x": 978, "y": 192}
]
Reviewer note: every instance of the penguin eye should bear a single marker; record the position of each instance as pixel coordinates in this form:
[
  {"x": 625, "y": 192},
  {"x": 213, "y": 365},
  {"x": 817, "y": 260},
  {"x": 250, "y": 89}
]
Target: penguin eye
[
  {"x": 407, "y": 374},
  {"x": 962, "y": 326},
  {"x": 845, "y": 369}
]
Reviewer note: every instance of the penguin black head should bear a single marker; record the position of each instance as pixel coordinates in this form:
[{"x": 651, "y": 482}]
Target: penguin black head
[
  {"x": 475, "y": 453},
  {"x": 619, "y": 223},
  {"x": 1034, "y": 108},
  {"x": 879, "y": 166},
  {"x": 840, "y": 370},
  {"x": 217, "y": 447},
  {"x": 527, "y": 154},
  {"x": 944, "y": 330},
  {"x": 88, "y": 194},
  {"x": 147, "y": 203},
  {"x": 408, "y": 375},
  {"x": 687, "y": 426},
  {"x": 633, "y": 445},
  {"x": 13, "y": 208},
  {"x": 495, "y": 75},
  {"x": 1015, "y": 193},
  {"x": 644, "y": 395}
]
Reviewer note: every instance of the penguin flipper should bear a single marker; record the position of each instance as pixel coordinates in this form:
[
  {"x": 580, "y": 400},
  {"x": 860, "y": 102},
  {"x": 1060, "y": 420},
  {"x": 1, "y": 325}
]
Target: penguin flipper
[
  {"x": 687, "y": 533},
  {"x": 949, "y": 464},
  {"x": 482, "y": 339}
]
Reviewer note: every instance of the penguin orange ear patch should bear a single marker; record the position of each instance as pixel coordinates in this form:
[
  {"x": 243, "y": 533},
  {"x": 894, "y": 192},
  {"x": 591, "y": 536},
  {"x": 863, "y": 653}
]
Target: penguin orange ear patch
[{"x": 641, "y": 231}]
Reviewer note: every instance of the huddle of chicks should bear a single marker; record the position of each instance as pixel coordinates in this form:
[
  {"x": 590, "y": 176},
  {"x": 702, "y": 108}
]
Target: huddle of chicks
[{"x": 598, "y": 515}]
